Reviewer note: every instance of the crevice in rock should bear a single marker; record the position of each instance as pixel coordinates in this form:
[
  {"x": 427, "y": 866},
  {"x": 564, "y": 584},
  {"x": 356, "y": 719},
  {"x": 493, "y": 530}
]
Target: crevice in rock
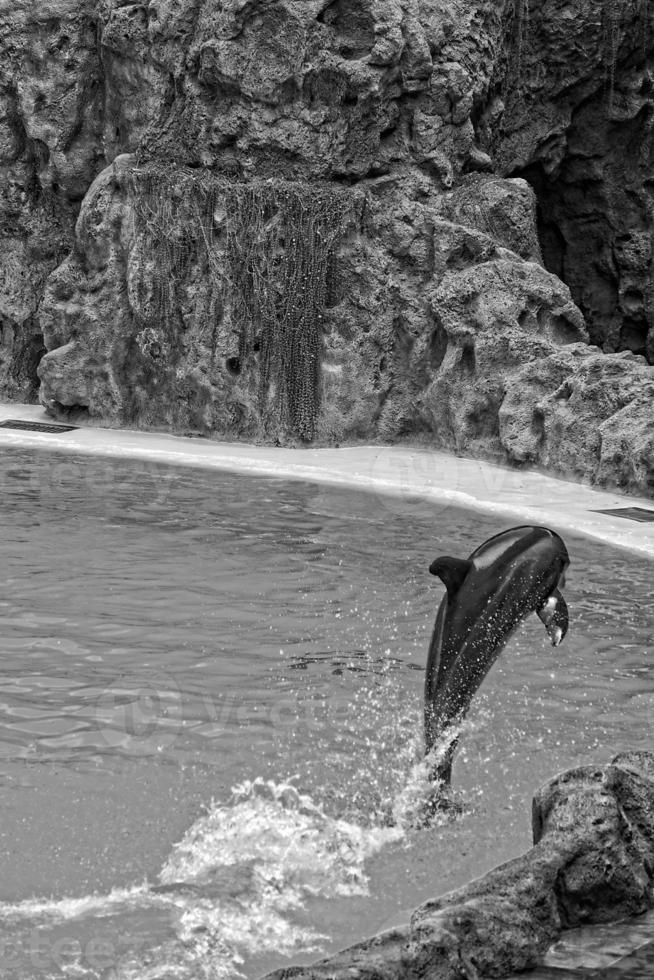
[
  {"x": 593, "y": 225},
  {"x": 437, "y": 346},
  {"x": 573, "y": 235},
  {"x": 28, "y": 349},
  {"x": 73, "y": 413},
  {"x": 15, "y": 124},
  {"x": 468, "y": 360},
  {"x": 38, "y": 156},
  {"x": 633, "y": 336}
]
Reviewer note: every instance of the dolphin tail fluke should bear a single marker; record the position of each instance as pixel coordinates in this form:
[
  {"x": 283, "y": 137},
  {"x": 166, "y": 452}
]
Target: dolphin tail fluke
[
  {"x": 442, "y": 771},
  {"x": 554, "y": 615},
  {"x": 440, "y": 755}
]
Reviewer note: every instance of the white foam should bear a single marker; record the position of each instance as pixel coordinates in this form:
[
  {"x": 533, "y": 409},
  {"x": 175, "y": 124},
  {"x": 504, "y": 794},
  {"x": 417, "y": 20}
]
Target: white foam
[
  {"x": 297, "y": 849},
  {"x": 234, "y": 885},
  {"x": 287, "y": 849},
  {"x": 61, "y": 909}
]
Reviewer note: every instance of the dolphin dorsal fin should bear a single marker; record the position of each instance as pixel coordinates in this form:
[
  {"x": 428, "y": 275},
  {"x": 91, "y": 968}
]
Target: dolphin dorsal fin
[{"x": 451, "y": 572}]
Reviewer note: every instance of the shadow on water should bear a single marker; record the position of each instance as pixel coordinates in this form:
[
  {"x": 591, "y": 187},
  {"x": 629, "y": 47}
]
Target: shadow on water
[{"x": 211, "y": 711}]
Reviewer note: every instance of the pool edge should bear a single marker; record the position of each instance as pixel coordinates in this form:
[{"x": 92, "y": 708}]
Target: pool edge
[{"x": 397, "y": 472}]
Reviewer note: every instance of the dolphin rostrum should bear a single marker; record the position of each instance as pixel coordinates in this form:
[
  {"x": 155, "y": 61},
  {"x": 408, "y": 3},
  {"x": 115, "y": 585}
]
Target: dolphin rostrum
[{"x": 512, "y": 574}]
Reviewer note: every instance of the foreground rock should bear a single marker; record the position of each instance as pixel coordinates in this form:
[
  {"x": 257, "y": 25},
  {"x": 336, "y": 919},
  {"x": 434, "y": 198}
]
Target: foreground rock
[{"x": 592, "y": 862}]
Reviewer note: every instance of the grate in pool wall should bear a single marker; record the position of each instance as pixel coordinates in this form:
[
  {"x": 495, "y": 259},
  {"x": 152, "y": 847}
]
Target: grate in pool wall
[
  {"x": 36, "y": 426},
  {"x": 641, "y": 514}
]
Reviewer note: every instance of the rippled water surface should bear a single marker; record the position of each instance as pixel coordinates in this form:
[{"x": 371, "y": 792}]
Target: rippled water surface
[{"x": 210, "y": 705}]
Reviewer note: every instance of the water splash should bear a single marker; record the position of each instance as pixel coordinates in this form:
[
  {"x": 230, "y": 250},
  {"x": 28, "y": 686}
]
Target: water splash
[
  {"x": 235, "y": 886},
  {"x": 240, "y": 881},
  {"x": 293, "y": 845},
  {"x": 423, "y": 800},
  {"x": 282, "y": 848}
]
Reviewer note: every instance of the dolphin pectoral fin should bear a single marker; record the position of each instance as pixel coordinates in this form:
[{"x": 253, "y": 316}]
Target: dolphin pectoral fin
[
  {"x": 451, "y": 572},
  {"x": 554, "y": 615}
]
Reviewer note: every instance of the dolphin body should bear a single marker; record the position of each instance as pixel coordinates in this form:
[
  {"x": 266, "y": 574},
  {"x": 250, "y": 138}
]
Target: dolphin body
[{"x": 512, "y": 574}]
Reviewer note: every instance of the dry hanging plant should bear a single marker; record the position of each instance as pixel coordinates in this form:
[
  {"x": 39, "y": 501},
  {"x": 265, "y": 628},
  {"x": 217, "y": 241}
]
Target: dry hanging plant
[{"x": 267, "y": 249}]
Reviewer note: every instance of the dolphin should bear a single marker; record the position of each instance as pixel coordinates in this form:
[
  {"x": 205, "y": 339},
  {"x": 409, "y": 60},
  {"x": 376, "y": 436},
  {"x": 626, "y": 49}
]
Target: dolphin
[{"x": 512, "y": 574}]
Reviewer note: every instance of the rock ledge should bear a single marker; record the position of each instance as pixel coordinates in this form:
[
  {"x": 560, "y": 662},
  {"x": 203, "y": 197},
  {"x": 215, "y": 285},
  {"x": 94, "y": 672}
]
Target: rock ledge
[{"x": 592, "y": 861}]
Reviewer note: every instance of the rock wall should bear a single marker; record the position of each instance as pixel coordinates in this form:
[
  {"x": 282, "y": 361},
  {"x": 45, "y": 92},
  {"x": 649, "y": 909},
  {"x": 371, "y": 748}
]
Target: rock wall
[
  {"x": 50, "y": 150},
  {"x": 312, "y": 220},
  {"x": 592, "y": 861},
  {"x": 577, "y": 123}
]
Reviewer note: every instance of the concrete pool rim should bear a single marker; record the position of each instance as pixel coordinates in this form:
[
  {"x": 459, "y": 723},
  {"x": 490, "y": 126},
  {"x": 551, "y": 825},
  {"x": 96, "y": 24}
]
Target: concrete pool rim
[{"x": 398, "y": 475}]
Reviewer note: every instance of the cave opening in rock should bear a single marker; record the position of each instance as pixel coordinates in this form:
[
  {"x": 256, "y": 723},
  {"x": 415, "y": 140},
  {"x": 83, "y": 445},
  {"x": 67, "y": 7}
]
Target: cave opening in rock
[
  {"x": 633, "y": 336},
  {"x": 596, "y": 240},
  {"x": 74, "y": 413}
]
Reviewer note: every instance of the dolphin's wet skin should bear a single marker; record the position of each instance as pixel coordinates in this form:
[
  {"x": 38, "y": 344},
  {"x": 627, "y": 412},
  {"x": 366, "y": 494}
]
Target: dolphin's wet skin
[
  {"x": 169, "y": 635},
  {"x": 517, "y": 571}
]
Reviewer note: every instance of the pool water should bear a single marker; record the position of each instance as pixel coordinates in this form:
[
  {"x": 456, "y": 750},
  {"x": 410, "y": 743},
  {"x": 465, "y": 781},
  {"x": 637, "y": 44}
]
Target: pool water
[{"x": 210, "y": 715}]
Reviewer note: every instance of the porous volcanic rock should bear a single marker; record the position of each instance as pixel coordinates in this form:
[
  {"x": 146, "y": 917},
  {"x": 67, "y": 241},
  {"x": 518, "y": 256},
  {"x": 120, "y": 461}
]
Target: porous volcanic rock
[
  {"x": 588, "y": 416},
  {"x": 399, "y": 143},
  {"x": 50, "y": 135},
  {"x": 573, "y": 113},
  {"x": 592, "y": 861},
  {"x": 493, "y": 317},
  {"x": 397, "y": 357}
]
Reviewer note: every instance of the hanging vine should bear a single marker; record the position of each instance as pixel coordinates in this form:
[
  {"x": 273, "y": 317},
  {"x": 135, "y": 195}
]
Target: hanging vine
[
  {"x": 515, "y": 16},
  {"x": 265, "y": 250},
  {"x": 614, "y": 15},
  {"x": 620, "y": 17},
  {"x": 281, "y": 238},
  {"x": 520, "y": 34},
  {"x": 611, "y": 17},
  {"x": 174, "y": 233}
]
